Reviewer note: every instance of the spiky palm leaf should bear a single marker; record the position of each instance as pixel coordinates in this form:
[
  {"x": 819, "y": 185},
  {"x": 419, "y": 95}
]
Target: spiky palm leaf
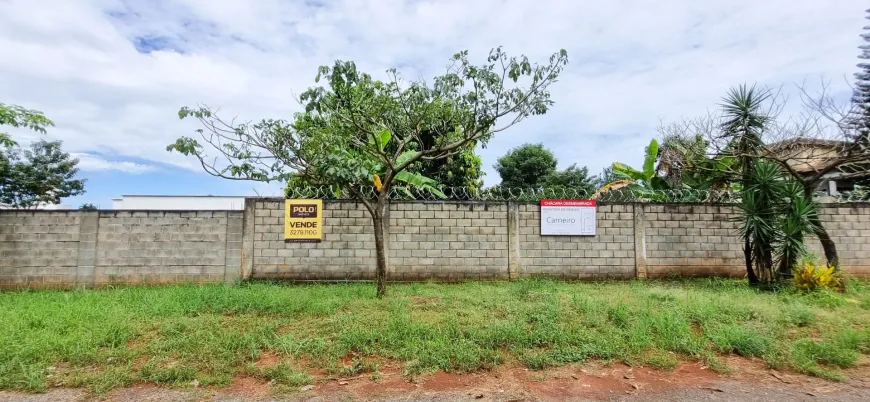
[{"x": 743, "y": 118}]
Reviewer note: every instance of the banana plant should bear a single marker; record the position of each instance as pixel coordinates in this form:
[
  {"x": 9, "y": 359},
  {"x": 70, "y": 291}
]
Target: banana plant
[
  {"x": 645, "y": 183},
  {"x": 646, "y": 178}
]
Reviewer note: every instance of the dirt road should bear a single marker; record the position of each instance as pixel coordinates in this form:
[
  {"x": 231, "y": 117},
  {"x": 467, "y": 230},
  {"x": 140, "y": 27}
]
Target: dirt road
[{"x": 749, "y": 381}]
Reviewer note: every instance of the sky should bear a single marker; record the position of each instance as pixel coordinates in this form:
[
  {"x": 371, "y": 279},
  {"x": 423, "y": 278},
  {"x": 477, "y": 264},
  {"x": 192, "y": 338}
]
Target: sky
[{"x": 112, "y": 74}]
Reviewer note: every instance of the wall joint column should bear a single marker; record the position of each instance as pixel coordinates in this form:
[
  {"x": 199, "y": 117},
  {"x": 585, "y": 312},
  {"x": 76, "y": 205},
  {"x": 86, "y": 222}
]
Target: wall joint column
[
  {"x": 515, "y": 266},
  {"x": 639, "y": 241},
  {"x": 233, "y": 263},
  {"x": 87, "y": 253},
  {"x": 247, "y": 253}
]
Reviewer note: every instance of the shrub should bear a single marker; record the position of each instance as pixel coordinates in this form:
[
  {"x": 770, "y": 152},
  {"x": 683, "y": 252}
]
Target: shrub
[{"x": 810, "y": 276}]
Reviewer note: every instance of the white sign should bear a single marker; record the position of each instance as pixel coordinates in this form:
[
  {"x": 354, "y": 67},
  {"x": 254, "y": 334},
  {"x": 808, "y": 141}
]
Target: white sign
[{"x": 568, "y": 217}]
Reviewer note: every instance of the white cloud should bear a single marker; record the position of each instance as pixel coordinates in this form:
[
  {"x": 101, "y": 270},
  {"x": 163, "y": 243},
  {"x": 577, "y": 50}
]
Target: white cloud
[
  {"x": 89, "y": 162},
  {"x": 633, "y": 62}
]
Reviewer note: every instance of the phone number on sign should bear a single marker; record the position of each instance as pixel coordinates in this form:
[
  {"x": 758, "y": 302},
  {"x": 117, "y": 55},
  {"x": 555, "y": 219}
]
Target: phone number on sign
[{"x": 302, "y": 232}]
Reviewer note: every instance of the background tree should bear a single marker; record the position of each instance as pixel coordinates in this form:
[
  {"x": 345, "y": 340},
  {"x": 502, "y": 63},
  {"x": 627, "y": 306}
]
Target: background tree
[
  {"x": 684, "y": 164},
  {"x": 88, "y": 207},
  {"x": 17, "y": 116},
  {"x": 462, "y": 170},
  {"x": 526, "y": 166},
  {"x": 357, "y": 131},
  {"x": 43, "y": 174},
  {"x": 859, "y": 117},
  {"x": 574, "y": 178},
  {"x": 607, "y": 175}
]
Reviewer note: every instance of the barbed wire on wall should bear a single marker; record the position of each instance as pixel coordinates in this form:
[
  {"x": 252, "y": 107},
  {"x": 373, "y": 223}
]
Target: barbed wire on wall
[
  {"x": 859, "y": 195},
  {"x": 535, "y": 195},
  {"x": 517, "y": 194}
]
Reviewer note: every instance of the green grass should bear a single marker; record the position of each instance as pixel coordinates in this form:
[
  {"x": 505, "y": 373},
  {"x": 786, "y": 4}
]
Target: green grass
[{"x": 175, "y": 335}]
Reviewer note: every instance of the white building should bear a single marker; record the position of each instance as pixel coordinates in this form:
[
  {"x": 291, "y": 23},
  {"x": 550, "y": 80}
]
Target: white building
[{"x": 179, "y": 202}]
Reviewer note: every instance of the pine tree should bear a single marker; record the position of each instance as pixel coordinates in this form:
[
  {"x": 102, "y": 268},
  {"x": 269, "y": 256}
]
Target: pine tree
[{"x": 859, "y": 122}]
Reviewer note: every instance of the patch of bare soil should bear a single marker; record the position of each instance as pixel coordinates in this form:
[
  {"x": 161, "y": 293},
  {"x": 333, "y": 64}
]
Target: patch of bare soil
[
  {"x": 267, "y": 359},
  {"x": 246, "y": 388},
  {"x": 596, "y": 382},
  {"x": 149, "y": 393},
  {"x": 750, "y": 380}
]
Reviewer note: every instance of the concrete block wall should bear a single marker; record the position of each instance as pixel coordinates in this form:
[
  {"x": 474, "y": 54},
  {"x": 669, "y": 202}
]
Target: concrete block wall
[
  {"x": 164, "y": 247},
  {"x": 500, "y": 240},
  {"x": 438, "y": 240},
  {"x": 609, "y": 254},
  {"x": 346, "y": 252},
  {"x": 692, "y": 240},
  {"x": 849, "y": 227},
  {"x": 39, "y": 248},
  {"x": 66, "y": 248},
  {"x": 448, "y": 240},
  {"x": 428, "y": 240}
]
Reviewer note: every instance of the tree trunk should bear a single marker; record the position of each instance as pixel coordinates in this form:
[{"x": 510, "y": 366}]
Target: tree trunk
[
  {"x": 747, "y": 167},
  {"x": 828, "y": 245},
  {"x": 379, "y": 219},
  {"x": 764, "y": 268},
  {"x": 788, "y": 261},
  {"x": 747, "y": 255}
]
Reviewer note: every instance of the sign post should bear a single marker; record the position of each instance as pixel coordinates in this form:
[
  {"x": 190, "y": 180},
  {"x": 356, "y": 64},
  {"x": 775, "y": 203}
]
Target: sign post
[
  {"x": 568, "y": 218},
  {"x": 303, "y": 221}
]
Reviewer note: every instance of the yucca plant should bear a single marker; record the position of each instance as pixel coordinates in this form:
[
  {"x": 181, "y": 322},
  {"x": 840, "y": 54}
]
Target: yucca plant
[
  {"x": 775, "y": 217},
  {"x": 797, "y": 216},
  {"x": 760, "y": 217},
  {"x": 743, "y": 123}
]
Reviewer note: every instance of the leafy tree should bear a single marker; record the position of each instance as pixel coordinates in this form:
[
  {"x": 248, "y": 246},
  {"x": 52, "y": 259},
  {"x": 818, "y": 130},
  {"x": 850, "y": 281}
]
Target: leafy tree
[
  {"x": 684, "y": 163},
  {"x": 88, "y": 207},
  {"x": 44, "y": 174},
  {"x": 462, "y": 170},
  {"x": 572, "y": 178},
  {"x": 41, "y": 175},
  {"x": 17, "y": 116},
  {"x": 526, "y": 166},
  {"x": 358, "y": 131},
  {"x": 532, "y": 166}
]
